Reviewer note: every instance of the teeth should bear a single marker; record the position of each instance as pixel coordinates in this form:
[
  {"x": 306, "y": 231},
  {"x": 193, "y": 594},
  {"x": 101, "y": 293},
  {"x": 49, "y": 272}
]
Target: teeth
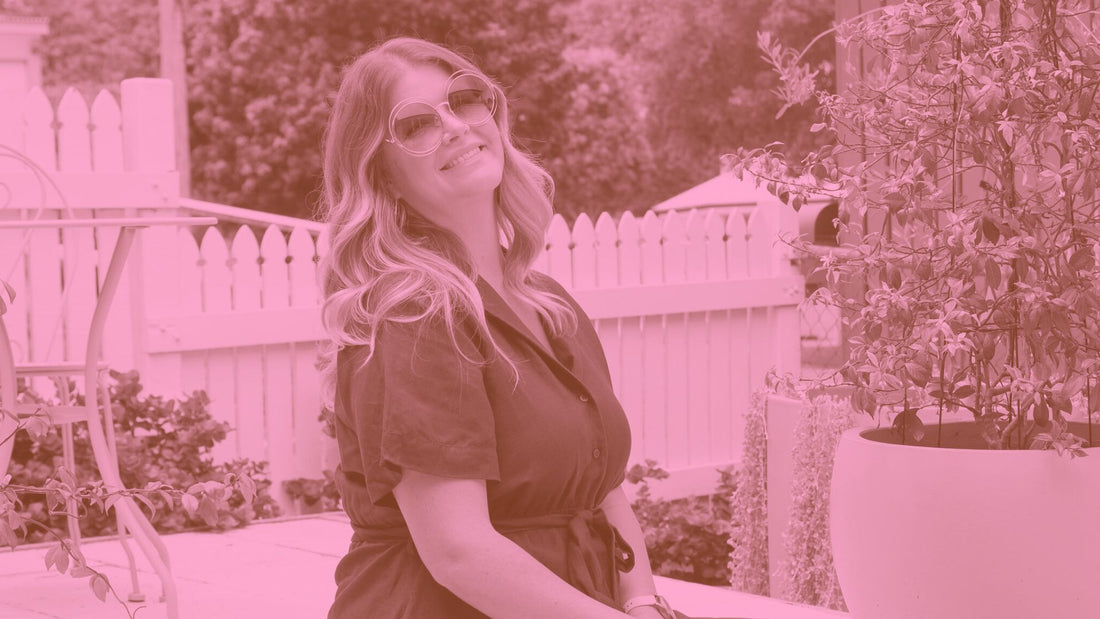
[{"x": 463, "y": 157}]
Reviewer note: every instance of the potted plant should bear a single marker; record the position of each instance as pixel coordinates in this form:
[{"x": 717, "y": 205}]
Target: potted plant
[{"x": 966, "y": 157}]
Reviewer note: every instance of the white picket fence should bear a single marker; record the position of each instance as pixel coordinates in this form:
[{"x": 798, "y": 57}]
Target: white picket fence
[{"x": 692, "y": 310}]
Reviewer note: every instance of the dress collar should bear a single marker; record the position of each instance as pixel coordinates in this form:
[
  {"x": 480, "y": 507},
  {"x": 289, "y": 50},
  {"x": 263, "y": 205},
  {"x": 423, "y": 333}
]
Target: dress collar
[{"x": 496, "y": 307}]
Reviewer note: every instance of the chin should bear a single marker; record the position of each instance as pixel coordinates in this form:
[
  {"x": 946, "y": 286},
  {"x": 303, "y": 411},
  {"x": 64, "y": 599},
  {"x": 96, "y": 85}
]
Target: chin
[{"x": 485, "y": 178}]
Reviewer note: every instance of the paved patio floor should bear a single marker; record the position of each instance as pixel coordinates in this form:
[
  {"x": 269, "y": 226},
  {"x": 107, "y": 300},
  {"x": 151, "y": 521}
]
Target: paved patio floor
[{"x": 269, "y": 570}]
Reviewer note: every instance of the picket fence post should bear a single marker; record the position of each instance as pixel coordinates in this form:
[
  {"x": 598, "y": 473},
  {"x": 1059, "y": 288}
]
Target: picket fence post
[{"x": 137, "y": 136}]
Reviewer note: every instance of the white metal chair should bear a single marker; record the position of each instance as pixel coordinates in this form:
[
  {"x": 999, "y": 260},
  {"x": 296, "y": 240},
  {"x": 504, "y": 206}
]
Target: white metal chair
[{"x": 96, "y": 411}]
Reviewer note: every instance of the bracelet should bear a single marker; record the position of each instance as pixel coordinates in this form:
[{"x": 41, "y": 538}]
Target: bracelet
[{"x": 659, "y": 602}]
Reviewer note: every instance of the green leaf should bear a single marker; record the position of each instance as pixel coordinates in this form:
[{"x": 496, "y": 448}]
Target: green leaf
[
  {"x": 908, "y": 426},
  {"x": 990, "y": 230},
  {"x": 67, "y": 476},
  {"x": 1041, "y": 413},
  {"x": 208, "y": 511},
  {"x": 992, "y": 273},
  {"x": 963, "y": 391},
  {"x": 247, "y": 487},
  {"x": 51, "y": 556},
  {"x": 62, "y": 559},
  {"x": 145, "y": 500},
  {"x": 919, "y": 373},
  {"x": 190, "y": 503},
  {"x": 37, "y": 426},
  {"x": 1082, "y": 259},
  {"x": 100, "y": 586}
]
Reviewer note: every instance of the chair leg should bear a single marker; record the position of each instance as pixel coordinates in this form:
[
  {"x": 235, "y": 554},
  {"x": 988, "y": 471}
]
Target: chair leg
[
  {"x": 123, "y": 533},
  {"x": 68, "y": 459}
]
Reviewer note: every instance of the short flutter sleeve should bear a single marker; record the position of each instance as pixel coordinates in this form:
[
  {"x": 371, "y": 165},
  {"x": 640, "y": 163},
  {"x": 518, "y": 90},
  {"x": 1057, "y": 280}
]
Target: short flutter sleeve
[{"x": 419, "y": 404}]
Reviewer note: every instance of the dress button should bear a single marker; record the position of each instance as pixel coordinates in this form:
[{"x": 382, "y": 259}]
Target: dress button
[
  {"x": 596, "y": 453},
  {"x": 585, "y": 398}
]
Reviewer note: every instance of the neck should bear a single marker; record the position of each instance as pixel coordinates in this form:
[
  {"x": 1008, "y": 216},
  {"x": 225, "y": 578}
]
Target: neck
[
  {"x": 476, "y": 225},
  {"x": 483, "y": 243}
]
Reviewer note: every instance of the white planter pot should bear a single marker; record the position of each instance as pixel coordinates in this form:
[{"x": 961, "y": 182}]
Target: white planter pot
[{"x": 923, "y": 532}]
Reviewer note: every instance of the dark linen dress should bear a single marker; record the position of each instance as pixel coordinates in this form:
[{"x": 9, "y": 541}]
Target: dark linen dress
[{"x": 550, "y": 449}]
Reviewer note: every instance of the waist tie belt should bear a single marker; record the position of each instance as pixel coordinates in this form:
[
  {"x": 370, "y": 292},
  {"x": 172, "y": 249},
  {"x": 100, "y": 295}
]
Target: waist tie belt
[{"x": 584, "y": 530}]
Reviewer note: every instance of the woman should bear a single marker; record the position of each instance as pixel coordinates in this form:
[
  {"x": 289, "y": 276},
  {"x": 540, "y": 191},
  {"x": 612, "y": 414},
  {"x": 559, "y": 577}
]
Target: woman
[{"x": 482, "y": 449}]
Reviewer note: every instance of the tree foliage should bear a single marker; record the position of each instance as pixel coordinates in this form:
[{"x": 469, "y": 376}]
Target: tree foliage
[
  {"x": 703, "y": 81},
  {"x": 93, "y": 44},
  {"x": 625, "y": 103}
]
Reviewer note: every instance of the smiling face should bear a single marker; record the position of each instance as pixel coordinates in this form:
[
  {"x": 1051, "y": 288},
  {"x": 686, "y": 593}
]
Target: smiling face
[{"x": 461, "y": 174}]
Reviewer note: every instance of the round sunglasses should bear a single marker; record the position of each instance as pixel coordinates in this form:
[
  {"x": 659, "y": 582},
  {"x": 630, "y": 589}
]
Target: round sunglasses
[{"x": 416, "y": 125}]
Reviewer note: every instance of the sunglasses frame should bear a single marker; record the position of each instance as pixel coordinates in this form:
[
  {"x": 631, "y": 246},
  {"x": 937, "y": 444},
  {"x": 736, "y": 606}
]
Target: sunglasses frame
[{"x": 392, "y": 139}]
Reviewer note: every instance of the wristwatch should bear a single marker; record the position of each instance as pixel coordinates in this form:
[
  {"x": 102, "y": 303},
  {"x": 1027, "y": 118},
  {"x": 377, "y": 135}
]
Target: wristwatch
[{"x": 657, "y": 601}]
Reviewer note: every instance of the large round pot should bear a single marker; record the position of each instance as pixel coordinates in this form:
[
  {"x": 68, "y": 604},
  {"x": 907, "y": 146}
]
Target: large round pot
[{"x": 959, "y": 532}]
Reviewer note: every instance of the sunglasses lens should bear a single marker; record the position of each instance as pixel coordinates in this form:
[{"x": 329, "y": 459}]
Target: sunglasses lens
[
  {"x": 418, "y": 127},
  {"x": 471, "y": 99}
]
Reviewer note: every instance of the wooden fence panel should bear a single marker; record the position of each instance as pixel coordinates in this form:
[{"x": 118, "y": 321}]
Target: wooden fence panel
[
  {"x": 559, "y": 262},
  {"x": 583, "y": 242},
  {"x": 251, "y": 413},
  {"x": 275, "y": 278},
  {"x": 723, "y": 413},
  {"x": 79, "y": 273},
  {"x": 279, "y": 408},
  {"x": 245, "y": 265},
  {"x": 217, "y": 280},
  {"x": 698, "y": 405},
  {"x": 43, "y": 296},
  {"x": 630, "y": 251},
  {"x": 309, "y": 442},
  {"x": 302, "y": 270},
  {"x": 606, "y": 258},
  {"x": 40, "y": 143},
  {"x": 106, "y": 134}
]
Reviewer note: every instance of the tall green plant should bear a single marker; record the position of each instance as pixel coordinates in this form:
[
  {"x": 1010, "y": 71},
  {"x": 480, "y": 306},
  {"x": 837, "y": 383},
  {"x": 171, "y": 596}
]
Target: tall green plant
[
  {"x": 808, "y": 569},
  {"x": 966, "y": 159},
  {"x": 749, "y": 570}
]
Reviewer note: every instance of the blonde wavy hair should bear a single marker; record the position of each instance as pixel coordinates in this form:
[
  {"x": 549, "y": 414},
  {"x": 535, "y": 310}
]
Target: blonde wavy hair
[{"x": 384, "y": 260}]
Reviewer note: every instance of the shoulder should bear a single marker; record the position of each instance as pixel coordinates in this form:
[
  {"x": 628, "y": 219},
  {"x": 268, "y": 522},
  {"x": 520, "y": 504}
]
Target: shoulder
[
  {"x": 416, "y": 341},
  {"x": 551, "y": 285},
  {"x": 544, "y": 282}
]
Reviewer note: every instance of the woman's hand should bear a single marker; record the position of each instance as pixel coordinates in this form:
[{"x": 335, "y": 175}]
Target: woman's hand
[{"x": 646, "y": 612}]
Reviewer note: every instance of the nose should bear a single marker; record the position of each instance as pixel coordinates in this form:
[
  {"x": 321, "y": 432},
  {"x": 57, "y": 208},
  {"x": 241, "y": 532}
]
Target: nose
[{"x": 453, "y": 126}]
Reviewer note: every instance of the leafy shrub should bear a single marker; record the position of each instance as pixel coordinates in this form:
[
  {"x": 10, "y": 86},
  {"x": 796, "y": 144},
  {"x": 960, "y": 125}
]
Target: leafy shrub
[
  {"x": 685, "y": 538},
  {"x": 158, "y": 441},
  {"x": 315, "y": 494}
]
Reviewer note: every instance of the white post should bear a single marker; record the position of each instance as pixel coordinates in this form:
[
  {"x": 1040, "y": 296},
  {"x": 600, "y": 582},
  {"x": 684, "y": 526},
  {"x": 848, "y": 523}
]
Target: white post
[
  {"x": 148, "y": 145},
  {"x": 781, "y": 420},
  {"x": 148, "y": 126},
  {"x": 20, "y": 67}
]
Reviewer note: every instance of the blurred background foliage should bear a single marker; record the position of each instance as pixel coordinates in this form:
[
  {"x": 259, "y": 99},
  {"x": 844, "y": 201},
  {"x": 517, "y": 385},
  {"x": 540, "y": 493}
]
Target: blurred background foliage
[{"x": 626, "y": 102}]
